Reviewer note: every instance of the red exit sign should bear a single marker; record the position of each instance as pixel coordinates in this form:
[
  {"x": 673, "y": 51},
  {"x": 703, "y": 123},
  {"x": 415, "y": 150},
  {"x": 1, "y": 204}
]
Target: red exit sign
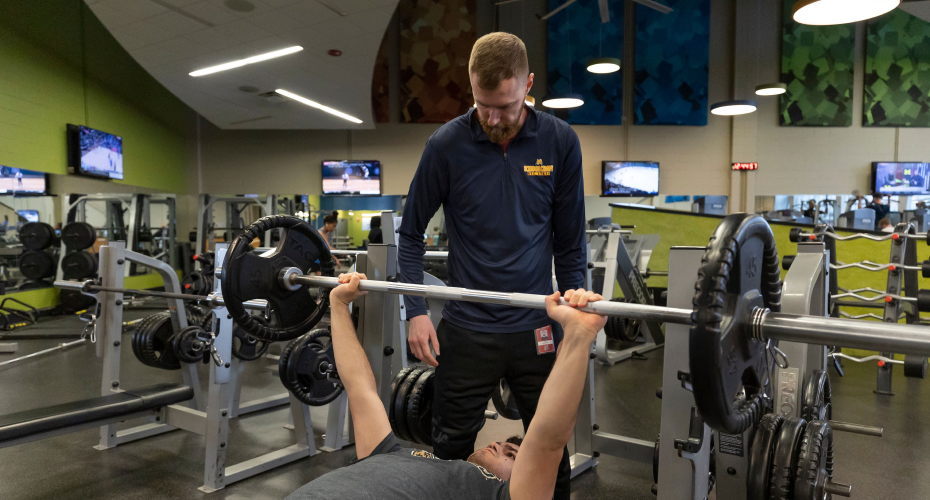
[{"x": 745, "y": 166}]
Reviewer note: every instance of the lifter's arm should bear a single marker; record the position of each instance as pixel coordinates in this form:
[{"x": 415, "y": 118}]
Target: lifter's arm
[
  {"x": 537, "y": 464},
  {"x": 368, "y": 415}
]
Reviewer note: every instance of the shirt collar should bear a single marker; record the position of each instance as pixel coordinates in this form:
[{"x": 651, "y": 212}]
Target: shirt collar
[{"x": 528, "y": 130}]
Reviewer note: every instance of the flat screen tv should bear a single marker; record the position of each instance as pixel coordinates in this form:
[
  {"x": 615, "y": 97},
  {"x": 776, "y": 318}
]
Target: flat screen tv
[
  {"x": 95, "y": 153},
  {"x": 629, "y": 178},
  {"x": 18, "y": 181},
  {"x": 29, "y": 215},
  {"x": 904, "y": 178},
  {"x": 352, "y": 177}
]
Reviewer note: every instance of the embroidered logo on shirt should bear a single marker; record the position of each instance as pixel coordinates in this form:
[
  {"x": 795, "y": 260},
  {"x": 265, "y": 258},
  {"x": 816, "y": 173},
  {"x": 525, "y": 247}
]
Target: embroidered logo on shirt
[
  {"x": 423, "y": 454},
  {"x": 538, "y": 169},
  {"x": 486, "y": 473}
]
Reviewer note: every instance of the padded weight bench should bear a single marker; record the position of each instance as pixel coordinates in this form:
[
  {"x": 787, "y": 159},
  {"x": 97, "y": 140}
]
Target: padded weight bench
[{"x": 40, "y": 423}]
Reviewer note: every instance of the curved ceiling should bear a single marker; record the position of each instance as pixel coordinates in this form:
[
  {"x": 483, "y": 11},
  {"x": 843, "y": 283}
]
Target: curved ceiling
[{"x": 171, "y": 38}]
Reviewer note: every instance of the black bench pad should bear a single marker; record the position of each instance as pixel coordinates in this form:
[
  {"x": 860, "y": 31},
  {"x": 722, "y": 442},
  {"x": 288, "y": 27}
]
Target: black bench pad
[{"x": 29, "y": 422}]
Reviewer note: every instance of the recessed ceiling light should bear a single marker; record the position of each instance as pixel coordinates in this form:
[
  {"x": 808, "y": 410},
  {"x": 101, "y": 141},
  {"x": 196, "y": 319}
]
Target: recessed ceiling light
[
  {"x": 828, "y": 12},
  {"x": 733, "y": 108},
  {"x": 314, "y": 104},
  {"x": 246, "y": 61},
  {"x": 604, "y": 65},
  {"x": 771, "y": 89},
  {"x": 563, "y": 101}
]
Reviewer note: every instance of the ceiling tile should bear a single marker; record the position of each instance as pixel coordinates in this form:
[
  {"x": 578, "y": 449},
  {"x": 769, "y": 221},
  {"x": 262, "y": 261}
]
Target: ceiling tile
[
  {"x": 133, "y": 10},
  {"x": 350, "y": 6},
  {"x": 274, "y": 4},
  {"x": 178, "y": 3},
  {"x": 275, "y": 22},
  {"x": 110, "y": 17},
  {"x": 128, "y": 40},
  {"x": 372, "y": 21},
  {"x": 153, "y": 55},
  {"x": 211, "y": 13},
  {"x": 243, "y": 30},
  {"x": 184, "y": 47},
  {"x": 309, "y": 13},
  {"x": 148, "y": 32},
  {"x": 260, "y": 7},
  {"x": 212, "y": 39},
  {"x": 176, "y": 24}
]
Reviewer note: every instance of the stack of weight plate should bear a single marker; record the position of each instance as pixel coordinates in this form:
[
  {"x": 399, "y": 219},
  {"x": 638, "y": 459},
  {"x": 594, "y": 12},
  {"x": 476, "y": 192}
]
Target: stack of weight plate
[
  {"x": 78, "y": 263},
  {"x": 151, "y": 342},
  {"x": 40, "y": 251},
  {"x": 411, "y": 407}
]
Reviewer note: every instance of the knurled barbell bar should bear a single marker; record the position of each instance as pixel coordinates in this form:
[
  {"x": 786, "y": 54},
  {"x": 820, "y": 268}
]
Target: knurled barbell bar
[{"x": 734, "y": 321}]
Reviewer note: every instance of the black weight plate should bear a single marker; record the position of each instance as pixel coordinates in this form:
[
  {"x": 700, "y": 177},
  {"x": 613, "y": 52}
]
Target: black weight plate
[
  {"x": 915, "y": 366},
  {"x": 247, "y": 347},
  {"x": 157, "y": 347},
  {"x": 760, "y": 457},
  {"x": 139, "y": 336},
  {"x": 36, "y": 265},
  {"x": 400, "y": 403},
  {"x": 504, "y": 402},
  {"x": 36, "y": 236},
  {"x": 306, "y": 370},
  {"x": 78, "y": 235},
  {"x": 79, "y": 265},
  {"x": 420, "y": 409},
  {"x": 188, "y": 344},
  {"x": 72, "y": 301},
  {"x": 815, "y": 462},
  {"x": 249, "y": 276},
  {"x": 285, "y": 358},
  {"x": 395, "y": 387},
  {"x": 136, "y": 339},
  {"x": 815, "y": 400},
  {"x": 785, "y": 460},
  {"x": 739, "y": 272},
  {"x": 196, "y": 283}
]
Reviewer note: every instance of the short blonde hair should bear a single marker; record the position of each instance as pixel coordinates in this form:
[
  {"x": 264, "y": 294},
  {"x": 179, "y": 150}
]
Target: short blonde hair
[{"x": 497, "y": 57}]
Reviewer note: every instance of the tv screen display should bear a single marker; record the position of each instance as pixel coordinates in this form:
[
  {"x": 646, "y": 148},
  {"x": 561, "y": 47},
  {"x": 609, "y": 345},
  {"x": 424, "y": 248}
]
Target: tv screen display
[
  {"x": 94, "y": 152},
  {"x": 29, "y": 215},
  {"x": 905, "y": 178},
  {"x": 630, "y": 178},
  {"x": 19, "y": 181},
  {"x": 360, "y": 177}
]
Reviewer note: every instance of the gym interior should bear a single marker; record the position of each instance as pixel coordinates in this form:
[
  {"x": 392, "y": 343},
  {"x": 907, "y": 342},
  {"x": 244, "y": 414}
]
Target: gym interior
[{"x": 744, "y": 182}]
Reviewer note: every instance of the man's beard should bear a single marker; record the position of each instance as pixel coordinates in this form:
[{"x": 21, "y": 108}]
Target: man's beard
[{"x": 501, "y": 132}]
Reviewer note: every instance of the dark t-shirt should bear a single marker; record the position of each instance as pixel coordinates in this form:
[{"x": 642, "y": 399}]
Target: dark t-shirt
[{"x": 395, "y": 473}]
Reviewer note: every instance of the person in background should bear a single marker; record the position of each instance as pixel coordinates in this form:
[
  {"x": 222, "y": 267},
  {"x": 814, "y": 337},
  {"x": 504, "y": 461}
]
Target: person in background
[
  {"x": 921, "y": 205},
  {"x": 329, "y": 231},
  {"x": 885, "y": 226},
  {"x": 810, "y": 212},
  {"x": 881, "y": 210},
  {"x": 374, "y": 235}
]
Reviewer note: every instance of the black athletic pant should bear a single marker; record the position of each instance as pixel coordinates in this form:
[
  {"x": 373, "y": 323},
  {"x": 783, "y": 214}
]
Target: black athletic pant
[{"x": 470, "y": 368}]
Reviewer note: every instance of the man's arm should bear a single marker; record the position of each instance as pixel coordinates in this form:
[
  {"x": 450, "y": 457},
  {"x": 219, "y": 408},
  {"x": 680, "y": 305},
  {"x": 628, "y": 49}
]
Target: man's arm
[
  {"x": 537, "y": 463},
  {"x": 568, "y": 222},
  {"x": 368, "y": 414}
]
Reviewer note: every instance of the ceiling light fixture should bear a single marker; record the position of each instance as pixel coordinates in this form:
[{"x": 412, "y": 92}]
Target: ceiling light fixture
[
  {"x": 733, "y": 108},
  {"x": 530, "y": 100},
  {"x": 563, "y": 101},
  {"x": 314, "y": 104},
  {"x": 771, "y": 89},
  {"x": 829, "y": 12},
  {"x": 604, "y": 65},
  {"x": 246, "y": 61}
]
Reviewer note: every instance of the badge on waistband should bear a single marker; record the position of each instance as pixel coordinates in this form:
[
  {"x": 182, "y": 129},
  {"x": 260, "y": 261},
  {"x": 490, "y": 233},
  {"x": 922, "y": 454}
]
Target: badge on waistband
[{"x": 545, "y": 342}]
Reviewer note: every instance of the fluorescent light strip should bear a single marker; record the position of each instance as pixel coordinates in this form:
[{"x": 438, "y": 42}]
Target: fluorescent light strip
[
  {"x": 246, "y": 61},
  {"x": 314, "y": 104}
]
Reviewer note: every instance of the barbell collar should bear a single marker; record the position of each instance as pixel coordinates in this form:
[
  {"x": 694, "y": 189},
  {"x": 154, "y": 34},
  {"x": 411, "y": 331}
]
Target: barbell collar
[{"x": 764, "y": 325}]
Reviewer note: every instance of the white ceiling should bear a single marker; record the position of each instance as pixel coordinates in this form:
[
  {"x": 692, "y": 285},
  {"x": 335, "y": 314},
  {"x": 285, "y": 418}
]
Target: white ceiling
[{"x": 171, "y": 38}]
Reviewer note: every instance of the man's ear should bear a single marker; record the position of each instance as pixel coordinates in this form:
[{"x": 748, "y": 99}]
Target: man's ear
[{"x": 529, "y": 83}]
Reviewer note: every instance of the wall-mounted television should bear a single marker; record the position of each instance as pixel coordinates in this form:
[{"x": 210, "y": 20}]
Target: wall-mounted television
[
  {"x": 352, "y": 177},
  {"x": 94, "y": 152},
  {"x": 905, "y": 178},
  {"x": 629, "y": 178},
  {"x": 29, "y": 215},
  {"x": 18, "y": 181}
]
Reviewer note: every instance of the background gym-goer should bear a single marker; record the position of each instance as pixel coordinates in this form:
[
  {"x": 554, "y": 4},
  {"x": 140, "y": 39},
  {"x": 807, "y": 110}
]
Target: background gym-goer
[
  {"x": 329, "y": 231},
  {"x": 881, "y": 210},
  {"x": 885, "y": 225},
  {"x": 509, "y": 179},
  {"x": 374, "y": 235},
  {"x": 810, "y": 211}
]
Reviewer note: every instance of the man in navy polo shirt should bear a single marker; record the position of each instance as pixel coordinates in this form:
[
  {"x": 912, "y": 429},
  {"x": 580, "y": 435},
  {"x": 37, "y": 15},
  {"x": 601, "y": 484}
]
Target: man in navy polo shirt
[{"x": 509, "y": 179}]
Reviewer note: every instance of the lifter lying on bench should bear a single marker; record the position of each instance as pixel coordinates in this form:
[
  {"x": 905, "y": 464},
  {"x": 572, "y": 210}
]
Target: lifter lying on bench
[{"x": 385, "y": 470}]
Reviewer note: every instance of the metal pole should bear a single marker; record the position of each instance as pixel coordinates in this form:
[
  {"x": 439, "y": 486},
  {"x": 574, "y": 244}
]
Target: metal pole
[
  {"x": 869, "y": 335},
  {"x": 44, "y": 351}
]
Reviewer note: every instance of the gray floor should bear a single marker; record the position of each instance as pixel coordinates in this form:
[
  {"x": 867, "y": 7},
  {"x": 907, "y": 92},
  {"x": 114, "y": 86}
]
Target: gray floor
[{"x": 171, "y": 465}]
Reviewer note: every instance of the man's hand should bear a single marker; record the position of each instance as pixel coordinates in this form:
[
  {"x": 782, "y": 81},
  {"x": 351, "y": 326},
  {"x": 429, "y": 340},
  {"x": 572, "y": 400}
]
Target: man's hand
[
  {"x": 348, "y": 290},
  {"x": 571, "y": 318},
  {"x": 420, "y": 334}
]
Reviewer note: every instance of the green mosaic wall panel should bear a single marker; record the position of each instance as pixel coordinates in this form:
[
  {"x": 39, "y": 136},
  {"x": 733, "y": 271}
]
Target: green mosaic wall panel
[
  {"x": 817, "y": 65},
  {"x": 897, "y": 72}
]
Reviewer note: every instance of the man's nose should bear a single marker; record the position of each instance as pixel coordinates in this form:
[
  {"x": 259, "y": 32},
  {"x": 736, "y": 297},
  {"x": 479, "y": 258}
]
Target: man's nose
[{"x": 494, "y": 117}]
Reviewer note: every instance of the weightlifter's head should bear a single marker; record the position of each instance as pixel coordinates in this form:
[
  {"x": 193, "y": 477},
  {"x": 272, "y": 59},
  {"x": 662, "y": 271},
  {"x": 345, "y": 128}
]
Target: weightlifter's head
[
  {"x": 500, "y": 81},
  {"x": 498, "y": 458}
]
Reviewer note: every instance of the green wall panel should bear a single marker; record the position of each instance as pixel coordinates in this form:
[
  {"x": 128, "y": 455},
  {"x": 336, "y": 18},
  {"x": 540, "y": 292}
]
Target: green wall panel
[
  {"x": 817, "y": 65},
  {"x": 897, "y": 71}
]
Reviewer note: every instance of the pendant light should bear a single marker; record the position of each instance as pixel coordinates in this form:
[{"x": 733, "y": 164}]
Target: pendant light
[
  {"x": 603, "y": 65},
  {"x": 569, "y": 100},
  {"x": 768, "y": 89},
  {"x": 829, "y": 12},
  {"x": 734, "y": 108}
]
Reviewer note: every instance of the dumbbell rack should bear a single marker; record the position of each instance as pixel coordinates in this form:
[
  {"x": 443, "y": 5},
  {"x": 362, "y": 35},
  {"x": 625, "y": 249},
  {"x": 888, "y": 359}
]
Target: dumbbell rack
[
  {"x": 616, "y": 263},
  {"x": 206, "y": 416}
]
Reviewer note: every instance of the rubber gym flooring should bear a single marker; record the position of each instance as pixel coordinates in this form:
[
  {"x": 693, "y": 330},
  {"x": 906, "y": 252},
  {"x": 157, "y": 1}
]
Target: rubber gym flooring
[{"x": 171, "y": 465}]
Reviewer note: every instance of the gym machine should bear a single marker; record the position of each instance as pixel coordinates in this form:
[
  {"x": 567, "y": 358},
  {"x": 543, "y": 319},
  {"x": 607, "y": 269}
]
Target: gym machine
[{"x": 233, "y": 206}]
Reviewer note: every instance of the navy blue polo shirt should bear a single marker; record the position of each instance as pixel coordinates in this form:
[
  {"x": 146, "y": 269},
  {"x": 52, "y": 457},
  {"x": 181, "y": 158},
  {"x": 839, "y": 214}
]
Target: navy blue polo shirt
[{"x": 507, "y": 214}]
